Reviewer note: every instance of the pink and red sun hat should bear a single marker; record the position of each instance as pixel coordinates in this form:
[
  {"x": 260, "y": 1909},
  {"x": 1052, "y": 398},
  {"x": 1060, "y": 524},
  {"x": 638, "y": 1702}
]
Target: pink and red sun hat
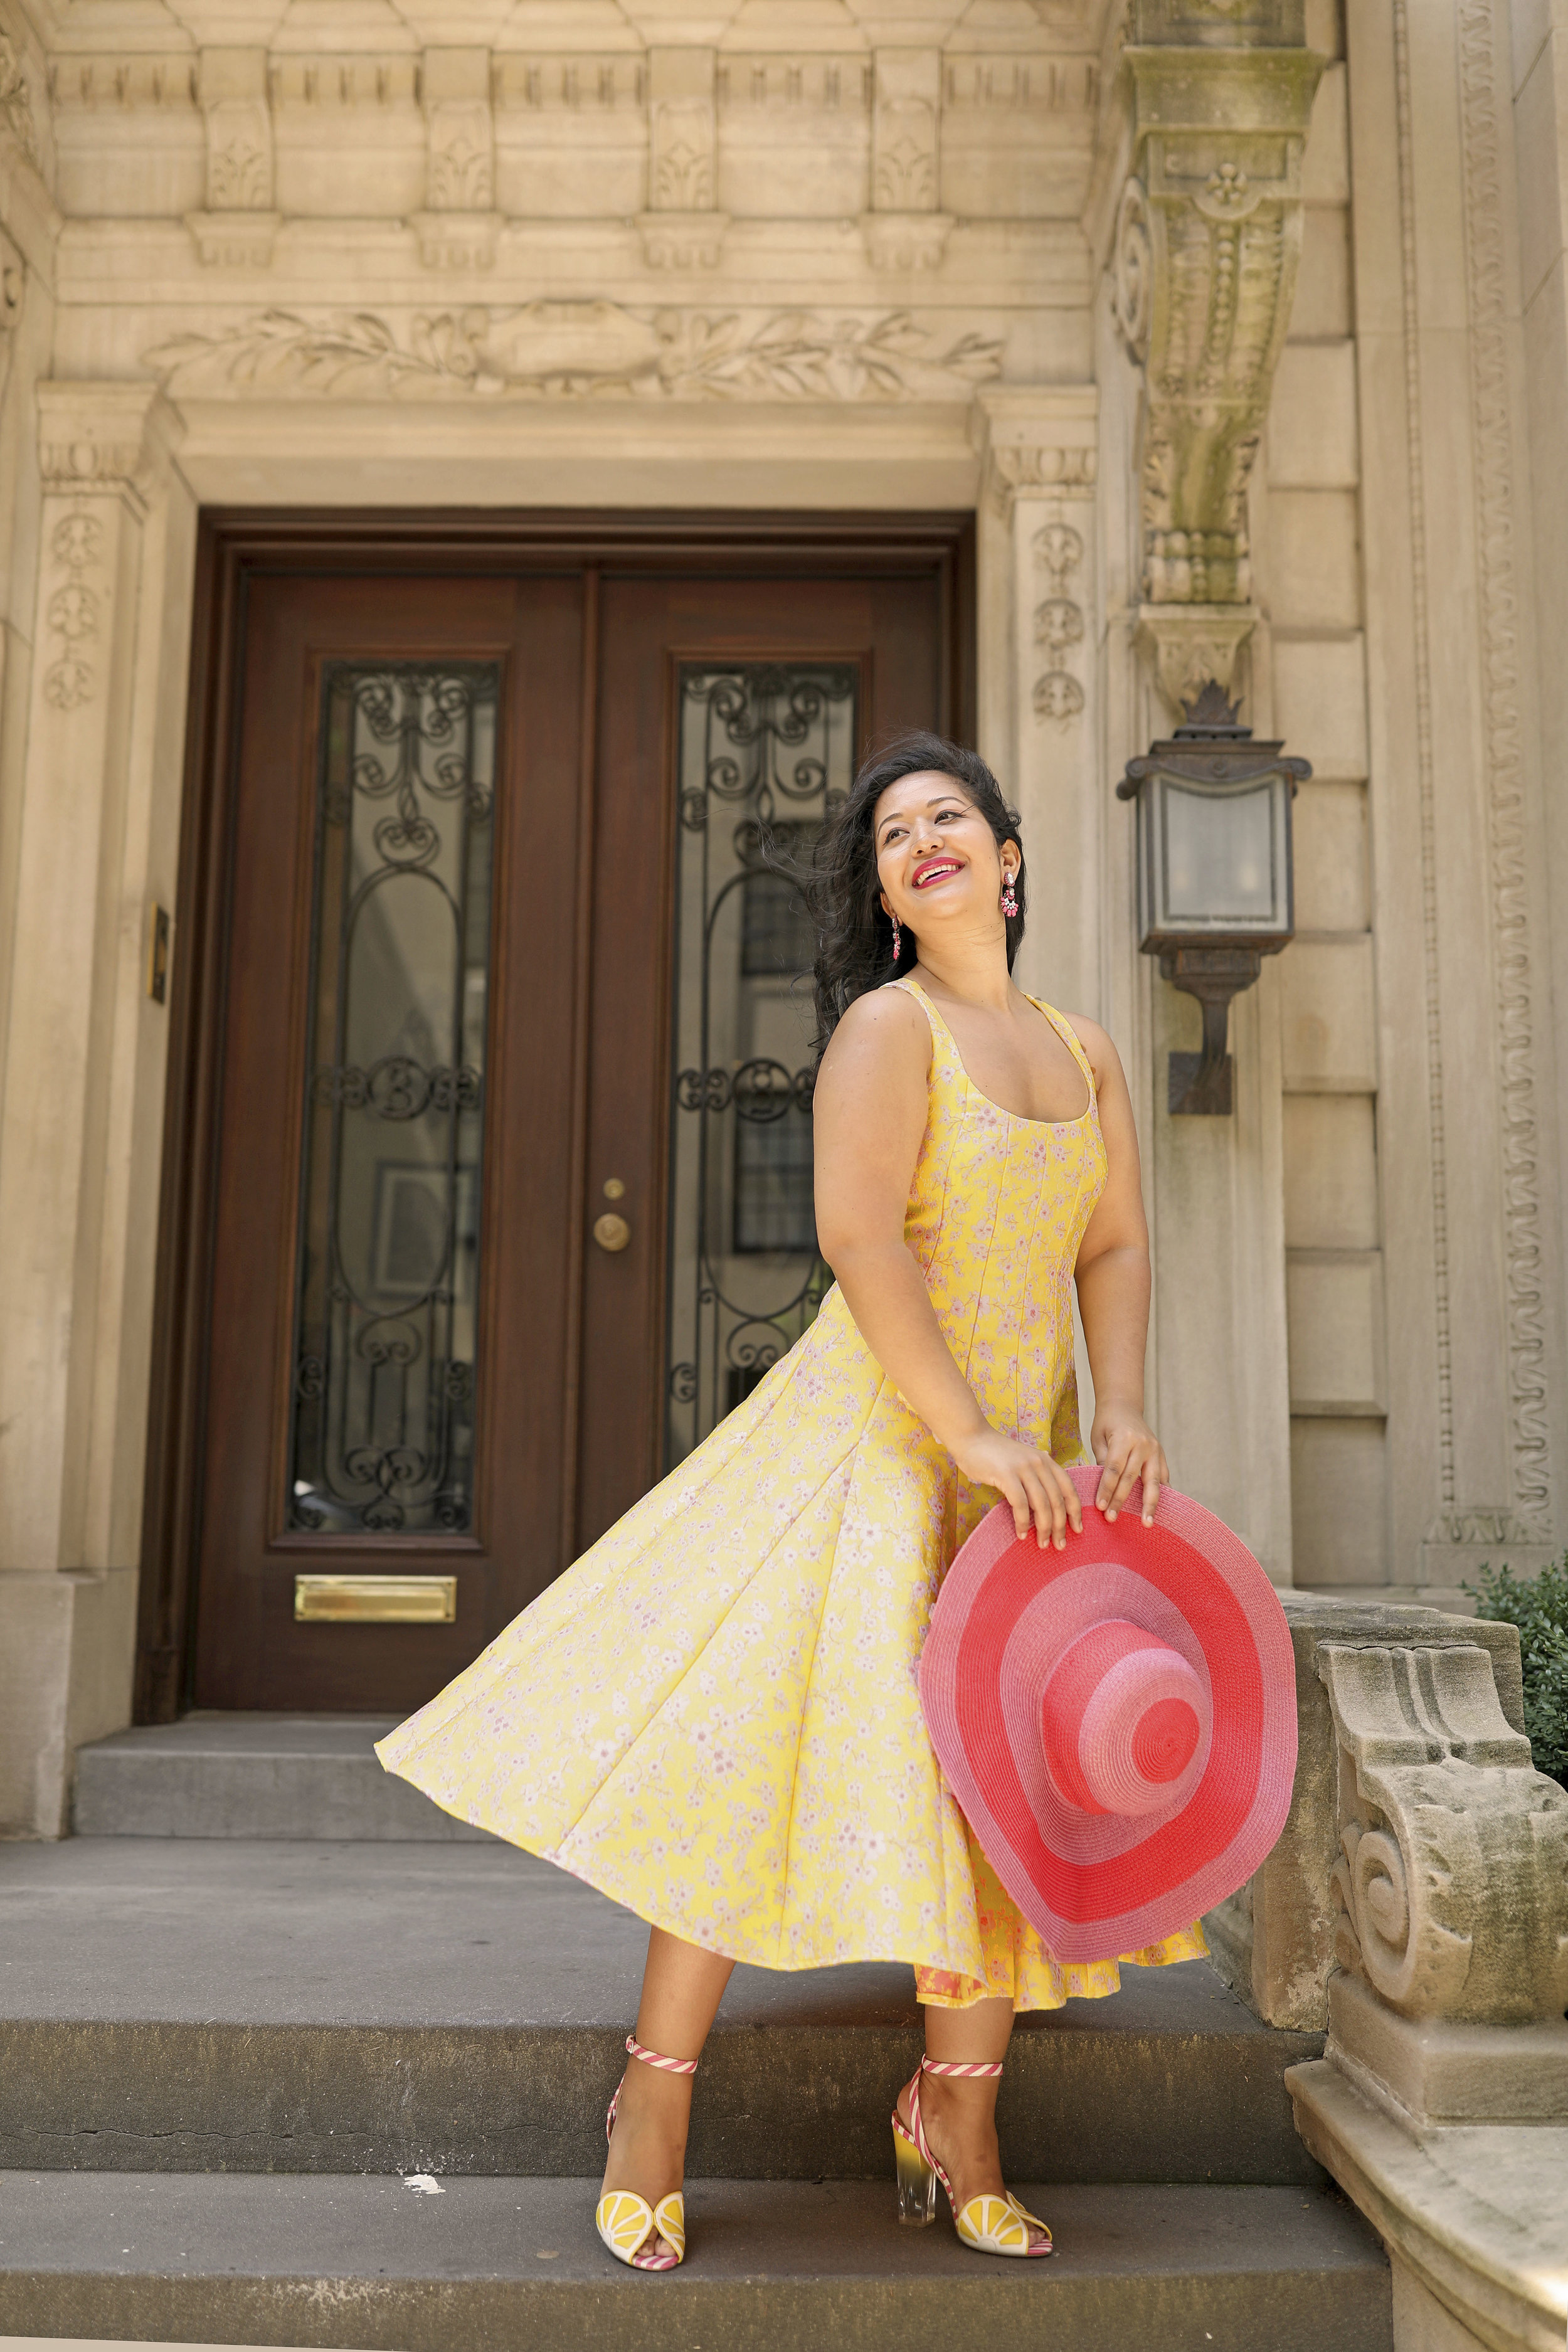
[{"x": 1116, "y": 1720}]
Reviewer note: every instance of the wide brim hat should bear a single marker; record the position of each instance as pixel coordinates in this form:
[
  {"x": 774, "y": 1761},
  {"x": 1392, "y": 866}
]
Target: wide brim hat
[{"x": 1116, "y": 1720}]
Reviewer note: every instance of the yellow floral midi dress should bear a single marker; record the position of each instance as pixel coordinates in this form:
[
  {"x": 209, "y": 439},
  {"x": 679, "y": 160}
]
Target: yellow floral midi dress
[{"x": 713, "y": 1716}]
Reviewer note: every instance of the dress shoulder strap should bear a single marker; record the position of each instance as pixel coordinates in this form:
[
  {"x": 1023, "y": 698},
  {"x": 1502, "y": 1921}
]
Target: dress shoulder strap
[
  {"x": 911, "y": 987},
  {"x": 1071, "y": 1039}
]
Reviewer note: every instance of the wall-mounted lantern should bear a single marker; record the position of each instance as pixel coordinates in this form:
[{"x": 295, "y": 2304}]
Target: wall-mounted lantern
[{"x": 1214, "y": 888}]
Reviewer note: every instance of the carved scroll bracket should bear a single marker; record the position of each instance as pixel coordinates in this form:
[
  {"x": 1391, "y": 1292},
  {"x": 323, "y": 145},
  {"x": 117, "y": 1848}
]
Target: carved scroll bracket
[
  {"x": 1202, "y": 276},
  {"x": 1451, "y": 1885}
]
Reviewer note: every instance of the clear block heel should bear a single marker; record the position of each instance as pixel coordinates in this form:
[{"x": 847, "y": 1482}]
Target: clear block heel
[{"x": 917, "y": 2181}]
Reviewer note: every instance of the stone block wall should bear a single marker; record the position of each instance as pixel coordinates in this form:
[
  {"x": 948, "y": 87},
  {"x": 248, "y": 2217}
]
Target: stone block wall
[{"x": 1308, "y": 510}]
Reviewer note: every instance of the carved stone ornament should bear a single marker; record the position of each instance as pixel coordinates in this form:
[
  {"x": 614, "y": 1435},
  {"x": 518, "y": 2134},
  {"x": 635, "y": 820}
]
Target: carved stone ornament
[
  {"x": 1452, "y": 1880},
  {"x": 236, "y": 240},
  {"x": 562, "y": 350},
  {"x": 1203, "y": 273},
  {"x": 16, "y": 100},
  {"x": 456, "y": 240},
  {"x": 1132, "y": 269},
  {"x": 1193, "y": 644},
  {"x": 682, "y": 240},
  {"x": 13, "y": 283},
  {"x": 905, "y": 242}
]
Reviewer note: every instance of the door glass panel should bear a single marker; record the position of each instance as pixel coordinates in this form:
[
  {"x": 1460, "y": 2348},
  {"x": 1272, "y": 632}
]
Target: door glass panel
[
  {"x": 766, "y": 750},
  {"x": 387, "y": 1279}
]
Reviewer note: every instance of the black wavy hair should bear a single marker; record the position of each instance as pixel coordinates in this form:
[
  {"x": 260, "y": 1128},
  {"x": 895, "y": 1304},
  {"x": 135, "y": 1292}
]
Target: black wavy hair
[{"x": 854, "y": 935}]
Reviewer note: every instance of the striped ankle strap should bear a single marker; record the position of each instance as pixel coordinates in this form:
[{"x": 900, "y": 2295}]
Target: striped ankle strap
[
  {"x": 672, "y": 2065},
  {"x": 958, "y": 2066}
]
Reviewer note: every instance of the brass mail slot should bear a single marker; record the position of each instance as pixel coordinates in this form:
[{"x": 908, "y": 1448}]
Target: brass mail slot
[{"x": 376, "y": 1600}]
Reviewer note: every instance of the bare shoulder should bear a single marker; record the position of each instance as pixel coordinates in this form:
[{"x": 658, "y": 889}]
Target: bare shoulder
[
  {"x": 884, "y": 1034},
  {"x": 1103, "y": 1058}
]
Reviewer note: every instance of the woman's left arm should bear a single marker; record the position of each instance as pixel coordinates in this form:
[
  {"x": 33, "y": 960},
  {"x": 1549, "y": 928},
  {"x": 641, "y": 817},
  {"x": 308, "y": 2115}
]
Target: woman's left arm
[{"x": 1112, "y": 1275}]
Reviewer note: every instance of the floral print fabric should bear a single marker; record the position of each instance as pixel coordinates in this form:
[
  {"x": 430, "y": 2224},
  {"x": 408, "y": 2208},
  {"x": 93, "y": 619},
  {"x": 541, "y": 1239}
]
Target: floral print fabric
[{"x": 713, "y": 1716}]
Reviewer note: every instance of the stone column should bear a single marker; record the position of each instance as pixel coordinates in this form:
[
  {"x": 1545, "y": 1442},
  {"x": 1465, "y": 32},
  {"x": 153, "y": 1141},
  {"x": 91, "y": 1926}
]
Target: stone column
[
  {"x": 83, "y": 1075},
  {"x": 458, "y": 229},
  {"x": 681, "y": 228},
  {"x": 238, "y": 226}
]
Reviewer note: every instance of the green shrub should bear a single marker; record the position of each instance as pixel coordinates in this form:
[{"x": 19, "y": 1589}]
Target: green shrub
[{"x": 1538, "y": 1607}]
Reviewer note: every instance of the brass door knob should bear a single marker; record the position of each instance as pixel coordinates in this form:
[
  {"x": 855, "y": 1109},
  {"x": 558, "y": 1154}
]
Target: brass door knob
[{"x": 612, "y": 1233}]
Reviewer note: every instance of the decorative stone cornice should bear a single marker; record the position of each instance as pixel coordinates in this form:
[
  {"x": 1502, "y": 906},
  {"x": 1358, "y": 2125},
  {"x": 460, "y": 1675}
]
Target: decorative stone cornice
[{"x": 1203, "y": 271}]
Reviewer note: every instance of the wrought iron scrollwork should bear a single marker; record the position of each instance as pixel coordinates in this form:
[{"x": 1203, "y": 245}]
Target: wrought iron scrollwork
[
  {"x": 766, "y": 753},
  {"x": 382, "y": 1406}
]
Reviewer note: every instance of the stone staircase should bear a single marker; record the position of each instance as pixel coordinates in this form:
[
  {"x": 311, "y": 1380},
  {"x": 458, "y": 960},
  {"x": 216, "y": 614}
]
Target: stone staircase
[{"x": 344, "y": 2084}]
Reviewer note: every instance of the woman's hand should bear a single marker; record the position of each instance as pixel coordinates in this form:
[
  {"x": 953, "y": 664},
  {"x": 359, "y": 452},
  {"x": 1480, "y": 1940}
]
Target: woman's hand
[
  {"x": 1039, "y": 1488},
  {"x": 1127, "y": 1450}
]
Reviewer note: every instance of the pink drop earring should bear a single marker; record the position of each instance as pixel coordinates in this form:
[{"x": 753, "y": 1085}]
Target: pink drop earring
[
  {"x": 1009, "y": 901},
  {"x": 898, "y": 939}
]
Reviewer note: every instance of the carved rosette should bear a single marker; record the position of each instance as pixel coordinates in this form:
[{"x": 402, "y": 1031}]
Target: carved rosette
[
  {"x": 1202, "y": 276},
  {"x": 1452, "y": 1879}
]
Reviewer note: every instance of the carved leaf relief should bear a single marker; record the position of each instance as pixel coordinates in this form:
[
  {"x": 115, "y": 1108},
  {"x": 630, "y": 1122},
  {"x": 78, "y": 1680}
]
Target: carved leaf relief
[{"x": 563, "y": 349}]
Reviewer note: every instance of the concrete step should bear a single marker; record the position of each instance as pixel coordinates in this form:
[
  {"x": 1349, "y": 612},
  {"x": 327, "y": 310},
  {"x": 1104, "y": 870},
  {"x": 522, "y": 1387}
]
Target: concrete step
[
  {"x": 254, "y": 1775},
  {"x": 771, "y": 2267},
  {"x": 179, "y": 2006}
]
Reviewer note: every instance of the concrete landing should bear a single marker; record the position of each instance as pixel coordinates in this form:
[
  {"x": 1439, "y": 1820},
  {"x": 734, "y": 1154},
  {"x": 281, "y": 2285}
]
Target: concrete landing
[
  {"x": 771, "y": 2267},
  {"x": 254, "y": 1775},
  {"x": 178, "y": 2006}
]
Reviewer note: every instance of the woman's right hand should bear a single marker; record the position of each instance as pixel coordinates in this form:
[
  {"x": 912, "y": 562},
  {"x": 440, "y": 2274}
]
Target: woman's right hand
[{"x": 1039, "y": 1488}]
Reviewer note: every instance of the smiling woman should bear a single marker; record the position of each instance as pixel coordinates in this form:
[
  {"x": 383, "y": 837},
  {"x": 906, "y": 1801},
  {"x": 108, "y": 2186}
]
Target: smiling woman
[
  {"x": 859, "y": 945},
  {"x": 714, "y": 1716}
]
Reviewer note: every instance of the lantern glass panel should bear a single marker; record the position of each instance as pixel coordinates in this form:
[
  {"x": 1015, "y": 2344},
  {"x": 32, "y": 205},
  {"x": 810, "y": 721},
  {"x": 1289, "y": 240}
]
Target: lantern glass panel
[{"x": 1219, "y": 857}]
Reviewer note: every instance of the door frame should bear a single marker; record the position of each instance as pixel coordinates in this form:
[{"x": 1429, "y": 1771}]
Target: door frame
[{"x": 234, "y": 545}]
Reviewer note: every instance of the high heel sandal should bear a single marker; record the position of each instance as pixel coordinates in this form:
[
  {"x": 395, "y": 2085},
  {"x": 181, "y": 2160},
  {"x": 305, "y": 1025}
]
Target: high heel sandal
[
  {"x": 626, "y": 2222},
  {"x": 991, "y": 2224}
]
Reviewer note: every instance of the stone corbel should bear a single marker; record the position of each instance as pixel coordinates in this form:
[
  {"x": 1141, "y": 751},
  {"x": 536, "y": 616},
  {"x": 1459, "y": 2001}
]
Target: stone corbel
[
  {"x": 239, "y": 227},
  {"x": 904, "y": 231},
  {"x": 1202, "y": 276},
  {"x": 681, "y": 229},
  {"x": 459, "y": 227}
]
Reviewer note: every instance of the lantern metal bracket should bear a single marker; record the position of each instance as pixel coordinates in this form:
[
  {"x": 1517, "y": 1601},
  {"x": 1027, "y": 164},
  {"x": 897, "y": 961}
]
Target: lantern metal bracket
[{"x": 1200, "y": 1083}]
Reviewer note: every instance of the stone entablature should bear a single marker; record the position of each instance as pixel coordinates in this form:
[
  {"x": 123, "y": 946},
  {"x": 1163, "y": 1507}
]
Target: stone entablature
[{"x": 604, "y": 120}]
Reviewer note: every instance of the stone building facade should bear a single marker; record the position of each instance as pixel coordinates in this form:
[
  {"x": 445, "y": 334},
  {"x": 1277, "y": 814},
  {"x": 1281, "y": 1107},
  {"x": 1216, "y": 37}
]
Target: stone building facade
[{"x": 1239, "y": 330}]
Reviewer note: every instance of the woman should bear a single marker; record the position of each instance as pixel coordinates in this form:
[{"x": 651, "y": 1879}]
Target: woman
[{"x": 714, "y": 1716}]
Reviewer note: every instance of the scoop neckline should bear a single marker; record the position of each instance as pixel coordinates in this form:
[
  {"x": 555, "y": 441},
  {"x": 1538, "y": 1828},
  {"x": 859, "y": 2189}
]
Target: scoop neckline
[{"x": 1021, "y": 1116}]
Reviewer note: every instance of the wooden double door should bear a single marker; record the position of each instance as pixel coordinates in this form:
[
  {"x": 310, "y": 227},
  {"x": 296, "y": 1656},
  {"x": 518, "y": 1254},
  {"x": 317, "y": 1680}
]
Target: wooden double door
[{"x": 488, "y": 1188}]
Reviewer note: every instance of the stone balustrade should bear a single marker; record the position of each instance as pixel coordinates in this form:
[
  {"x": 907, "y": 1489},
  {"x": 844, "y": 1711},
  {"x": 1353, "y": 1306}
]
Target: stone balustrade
[{"x": 1416, "y": 1906}]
